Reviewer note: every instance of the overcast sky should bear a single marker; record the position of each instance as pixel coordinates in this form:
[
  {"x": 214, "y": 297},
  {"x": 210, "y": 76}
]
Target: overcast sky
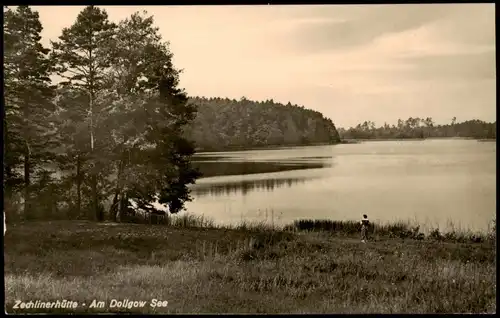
[{"x": 352, "y": 63}]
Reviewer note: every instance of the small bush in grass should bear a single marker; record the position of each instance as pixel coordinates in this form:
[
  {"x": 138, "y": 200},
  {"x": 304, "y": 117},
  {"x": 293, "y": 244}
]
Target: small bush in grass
[
  {"x": 492, "y": 233},
  {"x": 475, "y": 238},
  {"x": 450, "y": 236},
  {"x": 435, "y": 234},
  {"x": 400, "y": 230},
  {"x": 346, "y": 227},
  {"x": 290, "y": 228},
  {"x": 191, "y": 220}
]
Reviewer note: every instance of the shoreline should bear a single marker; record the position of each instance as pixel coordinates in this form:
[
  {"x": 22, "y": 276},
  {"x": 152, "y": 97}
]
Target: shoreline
[
  {"x": 341, "y": 142},
  {"x": 267, "y": 147},
  {"x": 420, "y": 139},
  {"x": 402, "y": 229}
]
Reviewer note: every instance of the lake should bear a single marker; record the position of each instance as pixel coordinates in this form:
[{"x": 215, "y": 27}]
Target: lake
[{"x": 432, "y": 182}]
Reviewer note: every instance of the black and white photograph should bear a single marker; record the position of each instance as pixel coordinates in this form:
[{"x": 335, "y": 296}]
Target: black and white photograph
[{"x": 249, "y": 159}]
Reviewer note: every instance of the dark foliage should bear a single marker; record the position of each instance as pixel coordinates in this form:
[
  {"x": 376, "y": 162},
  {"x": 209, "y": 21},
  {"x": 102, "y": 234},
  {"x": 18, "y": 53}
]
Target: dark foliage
[
  {"x": 223, "y": 124},
  {"x": 419, "y": 128}
]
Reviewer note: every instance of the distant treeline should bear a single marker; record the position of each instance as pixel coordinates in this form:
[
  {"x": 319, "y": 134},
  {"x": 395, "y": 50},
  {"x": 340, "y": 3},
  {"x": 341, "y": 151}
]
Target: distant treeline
[
  {"x": 223, "y": 124},
  {"x": 415, "y": 128}
]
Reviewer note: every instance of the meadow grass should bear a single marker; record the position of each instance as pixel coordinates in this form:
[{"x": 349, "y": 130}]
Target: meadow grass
[
  {"x": 249, "y": 268},
  {"x": 403, "y": 229}
]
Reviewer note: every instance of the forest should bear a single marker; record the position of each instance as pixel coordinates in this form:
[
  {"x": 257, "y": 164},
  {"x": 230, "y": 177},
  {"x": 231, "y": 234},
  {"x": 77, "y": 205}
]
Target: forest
[
  {"x": 224, "y": 124},
  {"x": 419, "y": 128},
  {"x": 107, "y": 139},
  {"x": 116, "y": 133}
]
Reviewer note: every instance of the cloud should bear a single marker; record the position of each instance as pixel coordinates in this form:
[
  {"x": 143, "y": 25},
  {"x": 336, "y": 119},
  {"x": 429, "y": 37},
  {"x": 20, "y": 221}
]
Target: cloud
[
  {"x": 352, "y": 62},
  {"x": 472, "y": 24},
  {"x": 464, "y": 66},
  {"x": 361, "y": 25},
  {"x": 404, "y": 61}
]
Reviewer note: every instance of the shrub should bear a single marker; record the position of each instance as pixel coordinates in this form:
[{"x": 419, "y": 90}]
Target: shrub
[{"x": 436, "y": 235}]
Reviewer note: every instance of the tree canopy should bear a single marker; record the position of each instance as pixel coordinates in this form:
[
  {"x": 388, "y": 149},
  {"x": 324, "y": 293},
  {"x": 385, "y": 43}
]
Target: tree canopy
[
  {"x": 106, "y": 141},
  {"x": 222, "y": 124}
]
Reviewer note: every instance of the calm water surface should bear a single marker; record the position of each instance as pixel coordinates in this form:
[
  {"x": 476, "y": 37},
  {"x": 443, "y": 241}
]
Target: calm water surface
[{"x": 432, "y": 182}]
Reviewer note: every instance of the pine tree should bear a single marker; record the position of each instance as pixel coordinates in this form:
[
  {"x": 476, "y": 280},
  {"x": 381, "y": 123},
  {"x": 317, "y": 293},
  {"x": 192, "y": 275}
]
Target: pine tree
[
  {"x": 117, "y": 74},
  {"x": 124, "y": 117},
  {"x": 147, "y": 116},
  {"x": 73, "y": 133},
  {"x": 83, "y": 60},
  {"x": 28, "y": 126}
]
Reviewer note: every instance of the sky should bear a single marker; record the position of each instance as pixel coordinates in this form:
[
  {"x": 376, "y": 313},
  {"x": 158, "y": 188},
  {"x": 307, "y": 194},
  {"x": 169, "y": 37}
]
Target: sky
[{"x": 352, "y": 63}]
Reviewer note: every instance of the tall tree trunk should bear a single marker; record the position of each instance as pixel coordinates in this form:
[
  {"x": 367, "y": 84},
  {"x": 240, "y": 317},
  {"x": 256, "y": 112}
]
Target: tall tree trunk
[
  {"x": 7, "y": 199},
  {"x": 114, "y": 210},
  {"x": 27, "y": 181},
  {"x": 118, "y": 214},
  {"x": 95, "y": 193},
  {"x": 97, "y": 214},
  {"x": 113, "y": 207},
  {"x": 123, "y": 204},
  {"x": 95, "y": 203},
  {"x": 78, "y": 185},
  {"x": 7, "y": 172}
]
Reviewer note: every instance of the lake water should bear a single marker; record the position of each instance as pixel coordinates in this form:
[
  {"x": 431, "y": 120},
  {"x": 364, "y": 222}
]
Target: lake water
[{"x": 431, "y": 182}]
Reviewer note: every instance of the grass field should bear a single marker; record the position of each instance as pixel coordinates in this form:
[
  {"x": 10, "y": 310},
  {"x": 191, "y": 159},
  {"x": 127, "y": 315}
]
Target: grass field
[{"x": 243, "y": 270}]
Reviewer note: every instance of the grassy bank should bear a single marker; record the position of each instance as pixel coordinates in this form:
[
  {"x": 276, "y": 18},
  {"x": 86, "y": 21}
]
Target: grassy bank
[
  {"x": 243, "y": 269},
  {"x": 344, "y": 228}
]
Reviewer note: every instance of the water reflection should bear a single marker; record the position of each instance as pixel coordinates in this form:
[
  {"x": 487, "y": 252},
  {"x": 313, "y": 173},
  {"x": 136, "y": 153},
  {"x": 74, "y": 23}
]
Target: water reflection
[
  {"x": 244, "y": 186},
  {"x": 213, "y": 166},
  {"x": 430, "y": 181},
  {"x": 214, "y": 169}
]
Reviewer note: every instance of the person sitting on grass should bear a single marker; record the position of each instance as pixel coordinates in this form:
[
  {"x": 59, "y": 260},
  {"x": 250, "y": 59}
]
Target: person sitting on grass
[{"x": 364, "y": 228}]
